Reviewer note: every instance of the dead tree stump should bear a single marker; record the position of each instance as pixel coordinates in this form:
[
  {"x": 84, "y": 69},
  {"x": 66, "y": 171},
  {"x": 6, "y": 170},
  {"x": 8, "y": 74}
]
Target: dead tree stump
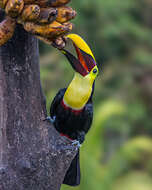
[{"x": 33, "y": 156}]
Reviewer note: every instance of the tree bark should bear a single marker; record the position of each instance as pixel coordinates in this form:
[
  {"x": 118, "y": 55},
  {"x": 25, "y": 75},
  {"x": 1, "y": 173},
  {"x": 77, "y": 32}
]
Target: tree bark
[{"x": 33, "y": 156}]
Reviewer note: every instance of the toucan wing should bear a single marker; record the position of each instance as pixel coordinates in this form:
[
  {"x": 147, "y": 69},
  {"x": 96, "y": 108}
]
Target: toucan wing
[
  {"x": 56, "y": 101},
  {"x": 88, "y": 116}
]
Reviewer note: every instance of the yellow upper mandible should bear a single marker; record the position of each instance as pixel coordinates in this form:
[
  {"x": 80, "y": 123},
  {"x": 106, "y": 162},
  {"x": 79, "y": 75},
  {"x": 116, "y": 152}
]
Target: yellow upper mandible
[{"x": 80, "y": 43}]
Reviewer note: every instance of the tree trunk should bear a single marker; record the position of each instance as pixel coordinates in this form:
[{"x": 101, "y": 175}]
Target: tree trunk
[{"x": 33, "y": 156}]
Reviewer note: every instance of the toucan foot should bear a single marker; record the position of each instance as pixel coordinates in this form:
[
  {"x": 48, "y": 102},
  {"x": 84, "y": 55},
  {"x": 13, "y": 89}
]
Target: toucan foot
[
  {"x": 76, "y": 143},
  {"x": 50, "y": 119}
]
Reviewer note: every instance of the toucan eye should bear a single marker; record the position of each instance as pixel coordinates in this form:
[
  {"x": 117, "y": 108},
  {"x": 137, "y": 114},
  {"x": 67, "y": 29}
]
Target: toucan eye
[{"x": 94, "y": 71}]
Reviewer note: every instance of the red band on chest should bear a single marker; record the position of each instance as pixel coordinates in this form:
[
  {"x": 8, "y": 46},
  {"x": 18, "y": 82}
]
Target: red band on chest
[{"x": 71, "y": 109}]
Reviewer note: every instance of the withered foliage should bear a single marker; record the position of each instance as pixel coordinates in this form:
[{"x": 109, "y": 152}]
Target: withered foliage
[
  {"x": 48, "y": 20},
  {"x": 7, "y": 27}
]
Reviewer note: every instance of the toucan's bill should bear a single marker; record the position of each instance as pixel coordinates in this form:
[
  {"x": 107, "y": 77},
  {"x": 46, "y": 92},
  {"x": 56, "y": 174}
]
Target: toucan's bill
[{"x": 85, "y": 61}]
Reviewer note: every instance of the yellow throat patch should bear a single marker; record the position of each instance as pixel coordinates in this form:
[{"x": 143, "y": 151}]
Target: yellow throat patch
[{"x": 78, "y": 92}]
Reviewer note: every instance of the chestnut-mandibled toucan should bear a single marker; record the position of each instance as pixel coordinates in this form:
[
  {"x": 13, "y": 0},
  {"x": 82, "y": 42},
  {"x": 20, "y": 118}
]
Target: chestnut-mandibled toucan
[{"x": 72, "y": 110}]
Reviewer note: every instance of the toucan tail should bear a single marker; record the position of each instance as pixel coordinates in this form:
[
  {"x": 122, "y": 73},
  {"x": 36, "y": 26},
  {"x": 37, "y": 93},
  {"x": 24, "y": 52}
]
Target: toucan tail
[{"x": 72, "y": 176}]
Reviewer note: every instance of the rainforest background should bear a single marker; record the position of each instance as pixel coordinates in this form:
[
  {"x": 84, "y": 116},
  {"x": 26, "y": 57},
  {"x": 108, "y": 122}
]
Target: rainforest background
[{"x": 117, "y": 153}]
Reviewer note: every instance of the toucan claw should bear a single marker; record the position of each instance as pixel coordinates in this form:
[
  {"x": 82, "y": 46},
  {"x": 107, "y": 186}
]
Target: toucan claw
[
  {"x": 50, "y": 119},
  {"x": 76, "y": 143}
]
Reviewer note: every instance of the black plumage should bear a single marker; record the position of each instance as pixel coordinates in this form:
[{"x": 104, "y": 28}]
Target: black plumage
[{"x": 74, "y": 125}]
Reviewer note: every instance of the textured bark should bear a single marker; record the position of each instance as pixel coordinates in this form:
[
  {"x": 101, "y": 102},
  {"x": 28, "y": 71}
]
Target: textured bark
[{"x": 33, "y": 156}]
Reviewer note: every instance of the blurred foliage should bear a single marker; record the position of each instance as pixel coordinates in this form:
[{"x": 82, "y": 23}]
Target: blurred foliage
[{"x": 117, "y": 152}]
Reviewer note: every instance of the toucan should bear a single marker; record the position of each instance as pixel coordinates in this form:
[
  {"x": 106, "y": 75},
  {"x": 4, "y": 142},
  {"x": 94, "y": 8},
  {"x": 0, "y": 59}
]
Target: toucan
[{"x": 71, "y": 110}]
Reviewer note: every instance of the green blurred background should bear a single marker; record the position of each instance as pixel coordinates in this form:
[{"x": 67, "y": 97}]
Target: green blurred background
[{"x": 117, "y": 153}]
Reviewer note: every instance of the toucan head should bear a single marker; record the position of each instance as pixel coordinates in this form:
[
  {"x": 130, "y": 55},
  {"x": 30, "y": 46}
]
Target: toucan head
[{"x": 85, "y": 63}]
